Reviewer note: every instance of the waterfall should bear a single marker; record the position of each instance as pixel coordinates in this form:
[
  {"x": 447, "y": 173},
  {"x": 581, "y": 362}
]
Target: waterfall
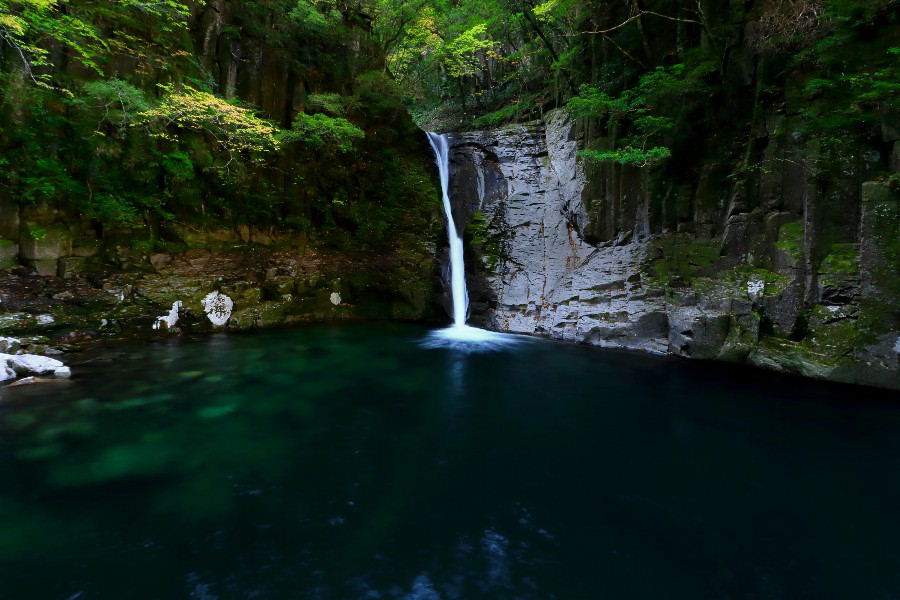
[
  {"x": 460, "y": 297},
  {"x": 459, "y": 335}
]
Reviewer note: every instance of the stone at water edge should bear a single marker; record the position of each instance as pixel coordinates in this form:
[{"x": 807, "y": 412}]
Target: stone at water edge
[
  {"x": 335, "y": 299},
  {"x": 33, "y": 380},
  {"x": 9, "y": 344},
  {"x": 170, "y": 320},
  {"x": 218, "y": 308},
  {"x": 33, "y": 364}
]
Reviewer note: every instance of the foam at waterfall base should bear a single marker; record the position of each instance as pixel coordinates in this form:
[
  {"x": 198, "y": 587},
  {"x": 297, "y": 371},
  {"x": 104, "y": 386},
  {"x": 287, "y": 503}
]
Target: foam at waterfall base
[{"x": 471, "y": 339}]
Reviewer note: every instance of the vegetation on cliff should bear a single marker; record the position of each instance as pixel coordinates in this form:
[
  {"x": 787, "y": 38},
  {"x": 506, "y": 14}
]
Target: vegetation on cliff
[
  {"x": 134, "y": 115},
  {"x": 656, "y": 73}
]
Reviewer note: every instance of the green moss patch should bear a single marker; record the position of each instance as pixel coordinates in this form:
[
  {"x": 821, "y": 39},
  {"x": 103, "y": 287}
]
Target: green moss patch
[
  {"x": 790, "y": 240},
  {"x": 680, "y": 258}
]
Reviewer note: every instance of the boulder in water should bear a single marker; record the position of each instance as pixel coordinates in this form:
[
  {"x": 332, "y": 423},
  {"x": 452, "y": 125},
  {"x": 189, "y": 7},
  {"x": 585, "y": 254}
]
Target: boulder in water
[{"x": 22, "y": 365}]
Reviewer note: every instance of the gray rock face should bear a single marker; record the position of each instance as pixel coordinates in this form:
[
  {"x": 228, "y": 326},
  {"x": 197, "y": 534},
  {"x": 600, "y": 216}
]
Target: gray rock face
[{"x": 527, "y": 182}]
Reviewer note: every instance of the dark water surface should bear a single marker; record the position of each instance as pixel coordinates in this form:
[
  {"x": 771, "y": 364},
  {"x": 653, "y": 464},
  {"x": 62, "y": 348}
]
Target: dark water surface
[{"x": 350, "y": 462}]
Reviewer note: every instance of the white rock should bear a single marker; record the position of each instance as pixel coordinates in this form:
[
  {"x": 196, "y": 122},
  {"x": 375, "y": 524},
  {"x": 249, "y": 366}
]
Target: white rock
[
  {"x": 6, "y": 372},
  {"x": 33, "y": 364},
  {"x": 335, "y": 298},
  {"x": 8, "y": 344},
  {"x": 756, "y": 288},
  {"x": 45, "y": 319},
  {"x": 168, "y": 321},
  {"x": 218, "y": 308},
  {"x": 897, "y": 345}
]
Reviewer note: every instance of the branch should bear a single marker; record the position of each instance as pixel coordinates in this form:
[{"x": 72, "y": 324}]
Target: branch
[
  {"x": 623, "y": 51},
  {"x": 21, "y": 52},
  {"x": 637, "y": 16}
]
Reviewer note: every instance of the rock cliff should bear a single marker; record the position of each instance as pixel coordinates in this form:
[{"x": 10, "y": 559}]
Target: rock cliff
[{"x": 752, "y": 272}]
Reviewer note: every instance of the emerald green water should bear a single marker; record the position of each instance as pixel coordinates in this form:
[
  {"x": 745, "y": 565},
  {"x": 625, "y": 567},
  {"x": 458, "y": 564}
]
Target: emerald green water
[{"x": 351, "y": 462}]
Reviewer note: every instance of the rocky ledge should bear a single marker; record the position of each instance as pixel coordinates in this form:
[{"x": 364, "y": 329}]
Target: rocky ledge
[{"x": 233, "y": 286}]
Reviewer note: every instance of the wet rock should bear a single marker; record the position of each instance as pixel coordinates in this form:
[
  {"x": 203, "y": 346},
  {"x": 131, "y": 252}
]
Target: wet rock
[
  {"x": 218, "y": 308},
  {"x": 71, "y": 266},
  {"x": 169, "y": 320},
  {"x": 36, "y": 380},
  {"x": 696, "y": 334},
  {"x": 160, "y": 260},
  {"x": 46, "y": 242},
  {"x": 33, "y": 364},
  {"x": 9, "y": 219},
  {"x": 9, "y": 254},
  {"x": 879, "y": 229},
  {"x": 75, "y": 337},
  {"x": 9, "y": 344},
  {"x": 44, "y": 267}
]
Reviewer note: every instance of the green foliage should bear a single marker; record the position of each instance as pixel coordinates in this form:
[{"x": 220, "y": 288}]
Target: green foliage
[
  {"x": 37, "y": 233},
  {"x": 139, "y": 120},
  {"x": 235, "y": 129},
  {"x": 544, "y": 10},
  {"x": 460, "y": 56},
  {"x": 629, "y": 155},
  {"x": 856, "y": 83},
  {"x": 663, "y": 90},
  {"x": 178, "y": 166},
  {"x": 498, "y": 117},
  {"x": 321, "y": 132},
  {"x": 26, "y": 24},
  {"x": 333, "y": 104}
]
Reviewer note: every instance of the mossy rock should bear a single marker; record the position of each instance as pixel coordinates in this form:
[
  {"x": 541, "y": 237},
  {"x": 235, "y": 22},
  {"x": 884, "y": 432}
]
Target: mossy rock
[
  {"x": 678, "y": 259},
  {"x": 790, "y": 241}
]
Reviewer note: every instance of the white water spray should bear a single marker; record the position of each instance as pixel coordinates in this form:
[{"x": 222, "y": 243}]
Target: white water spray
[{"x": 459, "y": 333}]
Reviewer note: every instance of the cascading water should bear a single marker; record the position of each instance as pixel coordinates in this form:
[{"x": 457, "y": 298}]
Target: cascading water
[
  {"x": 441, "y": 147},
  {"x": 459, "y": 332}
]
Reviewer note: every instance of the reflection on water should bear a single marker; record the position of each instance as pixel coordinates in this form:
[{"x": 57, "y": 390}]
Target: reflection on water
[{"x": 350, "y": 462}]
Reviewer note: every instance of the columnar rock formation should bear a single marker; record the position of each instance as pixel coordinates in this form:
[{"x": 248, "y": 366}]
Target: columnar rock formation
[{"x": 743, "y": 275}]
